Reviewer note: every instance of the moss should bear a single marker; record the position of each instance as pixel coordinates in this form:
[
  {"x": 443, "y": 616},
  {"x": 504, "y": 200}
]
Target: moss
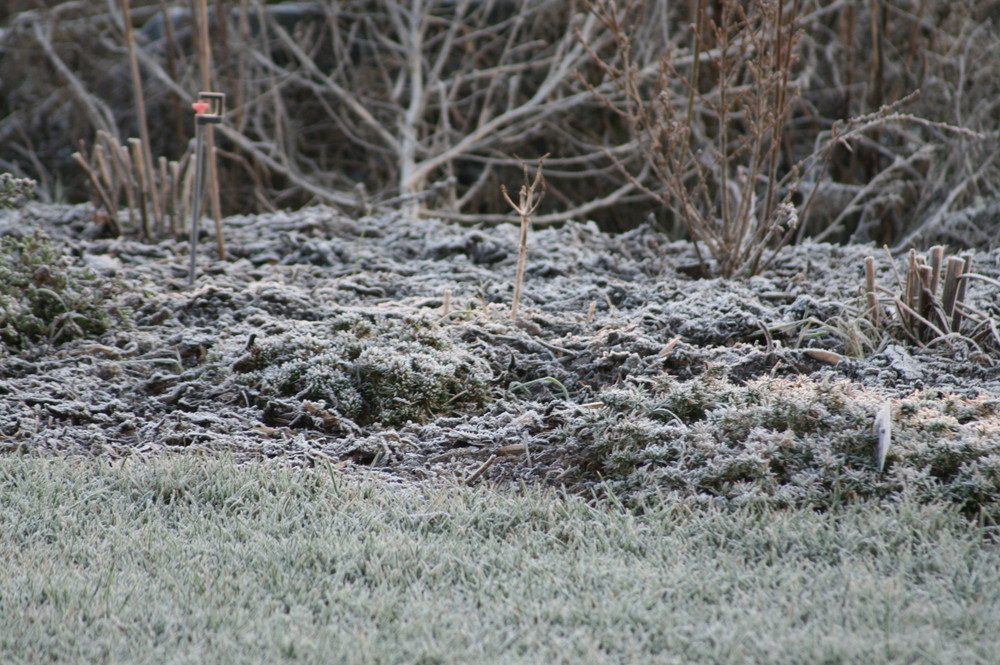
[{"x": 368, "y": 368}]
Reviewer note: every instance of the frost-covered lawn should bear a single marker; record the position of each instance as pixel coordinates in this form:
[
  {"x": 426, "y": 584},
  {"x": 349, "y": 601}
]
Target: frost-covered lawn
[{"x": 196, "y": 560}]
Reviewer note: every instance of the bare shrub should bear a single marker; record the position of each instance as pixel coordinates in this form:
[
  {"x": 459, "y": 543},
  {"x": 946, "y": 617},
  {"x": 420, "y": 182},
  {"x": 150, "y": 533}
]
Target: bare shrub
[
  {"x": 363, "y": 104},
  {"x": 54, "y": 94},
  {"x": 419, "y": 104},
  {"x": 713, "y": 124},
  {"x": 710, "y": 125},
  {"x": 358, "y": 104},
  {"x": 905, "y": 185}
]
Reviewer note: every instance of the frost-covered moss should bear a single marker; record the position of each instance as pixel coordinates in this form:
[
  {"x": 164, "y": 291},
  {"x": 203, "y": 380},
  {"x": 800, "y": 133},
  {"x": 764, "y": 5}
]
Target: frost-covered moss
[
  {"x": 369, "y": 369},
  {"x": 784, "y": 443},
  {"x": 45, "y": 296}
]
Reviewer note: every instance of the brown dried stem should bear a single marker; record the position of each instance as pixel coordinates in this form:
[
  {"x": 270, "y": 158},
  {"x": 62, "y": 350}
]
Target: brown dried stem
[
  {"x": 143, "y": 156},
  {"x": 529, "y": 197},
  {"x": 113, "y": 170}
]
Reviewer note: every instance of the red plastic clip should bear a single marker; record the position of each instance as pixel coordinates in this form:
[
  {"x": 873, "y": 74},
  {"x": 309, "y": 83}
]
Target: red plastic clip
[{"x": 209, "y": 108}]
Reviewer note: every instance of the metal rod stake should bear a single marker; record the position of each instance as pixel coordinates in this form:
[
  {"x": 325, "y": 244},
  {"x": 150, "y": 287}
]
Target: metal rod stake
[
  {"x": 199, "y": 180},
  {"x": 208, "y": 110}
]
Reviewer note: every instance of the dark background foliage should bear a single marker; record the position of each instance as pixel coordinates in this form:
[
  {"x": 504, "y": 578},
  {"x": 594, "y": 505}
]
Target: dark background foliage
[{"x": 299, "y": 75}]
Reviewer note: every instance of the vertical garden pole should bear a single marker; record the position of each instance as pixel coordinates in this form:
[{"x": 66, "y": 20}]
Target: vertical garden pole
[{"x": 208, "y": 110}]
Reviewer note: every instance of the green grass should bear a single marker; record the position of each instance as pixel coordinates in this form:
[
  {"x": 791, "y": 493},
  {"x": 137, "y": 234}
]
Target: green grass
[{"x": 197, "y": 560}]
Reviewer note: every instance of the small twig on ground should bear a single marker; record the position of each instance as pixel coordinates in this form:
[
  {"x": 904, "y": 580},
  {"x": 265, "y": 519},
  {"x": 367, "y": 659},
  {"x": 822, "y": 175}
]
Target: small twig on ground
[{"x": 481, "y": 470}]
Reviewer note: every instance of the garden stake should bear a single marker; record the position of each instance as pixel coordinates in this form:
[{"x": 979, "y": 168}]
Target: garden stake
[{"x": 208, "y": 110}]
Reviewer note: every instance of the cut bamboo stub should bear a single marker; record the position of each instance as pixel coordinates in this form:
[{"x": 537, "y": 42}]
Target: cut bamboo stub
[
  {"x": 949, "y": 297},
  {"x": 963, "y": 284},
  {"x": 933, "y": 293},
  {"x": 116, "y": 172},
  {"x": 446, "y": 303}
]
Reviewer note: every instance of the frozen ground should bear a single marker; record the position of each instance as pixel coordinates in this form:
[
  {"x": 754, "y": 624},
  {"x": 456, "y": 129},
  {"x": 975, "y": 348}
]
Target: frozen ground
[{"x": 292, "y": 346}]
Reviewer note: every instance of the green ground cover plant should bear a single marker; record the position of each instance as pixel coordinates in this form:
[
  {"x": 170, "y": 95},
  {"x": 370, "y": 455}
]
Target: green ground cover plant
[
  {"x": 785, "y": 443},
  {"x": 197, "y": 560},
  {"x": 14, "y": 191},
  {"x": 46, "y": 296},
  {"x": 367, "y": 369}
]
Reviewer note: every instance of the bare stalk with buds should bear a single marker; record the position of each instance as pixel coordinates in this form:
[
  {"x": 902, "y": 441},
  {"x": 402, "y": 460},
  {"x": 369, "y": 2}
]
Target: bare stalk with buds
[{"x": 531, "y": 194}]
